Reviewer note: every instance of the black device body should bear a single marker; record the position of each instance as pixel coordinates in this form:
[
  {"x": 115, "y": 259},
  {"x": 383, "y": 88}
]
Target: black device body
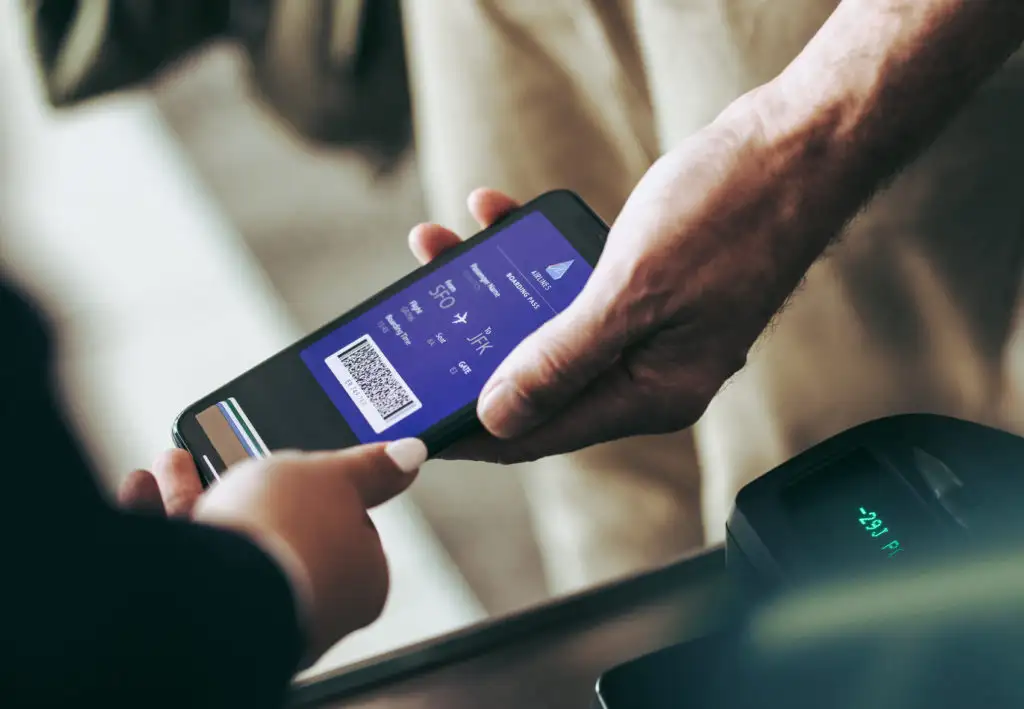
[
  {"x": 968, "y": 653},
  {"x": 890, "y": 493},
  {"x": 840, "y": 616},
  {"x": 289, "y": 408}
]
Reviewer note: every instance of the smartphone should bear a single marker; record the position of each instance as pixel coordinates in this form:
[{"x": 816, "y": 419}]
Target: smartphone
[{"x": 411, "y": 360}]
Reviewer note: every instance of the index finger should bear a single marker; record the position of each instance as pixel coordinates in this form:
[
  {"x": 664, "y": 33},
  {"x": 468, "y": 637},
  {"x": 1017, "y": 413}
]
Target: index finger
[{"x": 378, "y": 471}]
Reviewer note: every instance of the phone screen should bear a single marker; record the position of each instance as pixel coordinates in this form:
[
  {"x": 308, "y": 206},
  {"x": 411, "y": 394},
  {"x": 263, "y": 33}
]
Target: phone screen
[
  {"x": 425, "y": 353},
  {"x": 411, "y": 358}
]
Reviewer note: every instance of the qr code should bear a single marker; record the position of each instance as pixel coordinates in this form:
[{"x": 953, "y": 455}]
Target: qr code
[{"x": 375, "y": 386}]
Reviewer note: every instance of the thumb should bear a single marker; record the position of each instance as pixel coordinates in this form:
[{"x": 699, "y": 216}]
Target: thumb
[{"x": 551, "y": 366}]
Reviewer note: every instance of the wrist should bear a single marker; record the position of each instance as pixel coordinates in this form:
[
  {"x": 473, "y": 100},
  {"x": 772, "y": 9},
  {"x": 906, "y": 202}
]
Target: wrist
[
  {"x": 809, "y": 139},
  {"x": 793, "y": 159},
  {"x": 880, "y": 81},
  {"x": 298, "y": 579},
  {"x": 293, "y": 568},
  {"x": 770, "y": 209}
]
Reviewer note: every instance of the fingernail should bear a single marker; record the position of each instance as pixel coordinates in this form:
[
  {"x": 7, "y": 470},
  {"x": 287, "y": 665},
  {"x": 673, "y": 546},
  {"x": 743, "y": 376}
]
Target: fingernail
[
  {"x": 408, "y": 454},
  {"x": 503, "y": 411}
]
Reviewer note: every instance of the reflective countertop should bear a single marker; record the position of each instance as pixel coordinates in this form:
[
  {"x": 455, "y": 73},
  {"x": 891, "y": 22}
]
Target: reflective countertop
[{"x": 550, "y": 656}]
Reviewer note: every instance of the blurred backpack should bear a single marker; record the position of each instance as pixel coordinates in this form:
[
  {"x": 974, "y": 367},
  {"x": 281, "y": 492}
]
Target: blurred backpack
[{"x": 334, "y": 70}]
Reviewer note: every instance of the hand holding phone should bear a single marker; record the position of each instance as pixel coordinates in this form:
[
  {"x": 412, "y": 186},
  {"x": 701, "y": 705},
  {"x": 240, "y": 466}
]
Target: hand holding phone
[
  {"x": 410, "y": 361},
  {"x": 688, "y": 279}
]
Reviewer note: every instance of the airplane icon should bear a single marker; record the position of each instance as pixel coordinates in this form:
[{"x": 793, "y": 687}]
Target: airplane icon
[
  {"x": 460, "y": 318},
  {"x": 557, "y": 270}
]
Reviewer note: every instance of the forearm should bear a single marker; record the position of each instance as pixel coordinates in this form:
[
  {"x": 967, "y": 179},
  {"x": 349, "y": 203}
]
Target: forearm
[
  {"x": 876, "y": 85},
  {"x": 883, "y": 77},
  {"x": 122, "y": 605}
]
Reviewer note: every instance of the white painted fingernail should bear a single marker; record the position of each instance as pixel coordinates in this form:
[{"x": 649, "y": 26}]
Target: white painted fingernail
[{"x": 408, "y": 454}]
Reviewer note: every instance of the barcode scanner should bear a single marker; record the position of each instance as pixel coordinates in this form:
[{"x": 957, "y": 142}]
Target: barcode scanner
[
  {"x": 894, "y": 492},
  {"x": 886, "y": 562}
]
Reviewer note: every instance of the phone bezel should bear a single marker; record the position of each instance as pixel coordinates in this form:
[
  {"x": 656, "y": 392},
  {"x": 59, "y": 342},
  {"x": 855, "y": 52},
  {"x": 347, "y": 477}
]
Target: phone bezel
[{"x": 573, "y": 218}]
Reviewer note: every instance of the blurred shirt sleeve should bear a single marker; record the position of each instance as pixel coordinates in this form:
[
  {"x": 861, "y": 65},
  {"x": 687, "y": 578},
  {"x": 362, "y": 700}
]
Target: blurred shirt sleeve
[
  {"x": 334, "y": 70},
  {"x": 104, "y": 608},
  {"x": 88, "y": 48}
]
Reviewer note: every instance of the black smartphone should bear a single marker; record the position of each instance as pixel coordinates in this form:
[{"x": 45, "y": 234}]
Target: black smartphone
[{"x": 411, "y": 360}]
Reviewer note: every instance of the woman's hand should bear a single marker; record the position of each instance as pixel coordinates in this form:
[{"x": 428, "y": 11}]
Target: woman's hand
[{"x": 308, "y": 511}]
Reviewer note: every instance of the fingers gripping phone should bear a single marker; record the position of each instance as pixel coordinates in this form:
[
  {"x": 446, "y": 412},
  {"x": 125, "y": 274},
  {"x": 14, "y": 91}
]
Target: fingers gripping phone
[{"x": 411, "y": 360}]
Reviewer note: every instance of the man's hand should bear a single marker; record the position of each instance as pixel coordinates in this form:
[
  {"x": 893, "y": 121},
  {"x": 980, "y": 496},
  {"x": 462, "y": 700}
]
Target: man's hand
[
  {"x": 701, "y": 257},
  {"x": 722, "y": 229},
  {"x": 308, "y": 512}
]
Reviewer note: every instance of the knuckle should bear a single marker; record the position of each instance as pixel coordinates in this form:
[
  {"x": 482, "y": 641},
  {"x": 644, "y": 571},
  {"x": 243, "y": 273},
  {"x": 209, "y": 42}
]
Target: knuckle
[{"x": 551, "y": 367}]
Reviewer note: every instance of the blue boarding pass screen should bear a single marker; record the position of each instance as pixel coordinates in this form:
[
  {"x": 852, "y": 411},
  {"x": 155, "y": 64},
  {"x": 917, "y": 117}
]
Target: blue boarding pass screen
[{"x": 426, "y": 352}]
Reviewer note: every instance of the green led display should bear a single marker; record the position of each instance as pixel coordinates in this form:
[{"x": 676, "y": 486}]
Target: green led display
[{"x": 874, "y": 525}]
